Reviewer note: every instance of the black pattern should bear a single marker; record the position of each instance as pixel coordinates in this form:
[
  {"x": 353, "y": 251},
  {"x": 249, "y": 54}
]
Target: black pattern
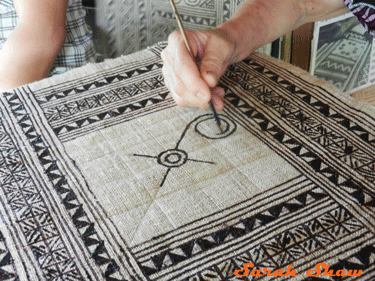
[
  {"x": 167, "y": 255},
  {"x": 34, "y": 219},
  {"x": 82, "y": 114},
  {"x": 30, "y": 209},
  {"x": 7, "y": 268},
  {"x": 356, "y": 154},
  {"x": 174, "y": 158},
  {"x": 303, "y": 120},
  {"x": 328, "y": 207}
]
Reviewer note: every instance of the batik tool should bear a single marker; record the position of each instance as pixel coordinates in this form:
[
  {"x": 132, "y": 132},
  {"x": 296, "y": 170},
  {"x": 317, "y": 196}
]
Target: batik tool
[{"x": 179, "y": 22}]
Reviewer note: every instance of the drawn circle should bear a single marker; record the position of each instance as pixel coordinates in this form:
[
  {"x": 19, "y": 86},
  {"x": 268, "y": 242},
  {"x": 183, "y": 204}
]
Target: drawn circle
[
  {"x": 172, "y": 158},
  {"x": 192, "y": 2},
  {"x": 208, "y": 129}
]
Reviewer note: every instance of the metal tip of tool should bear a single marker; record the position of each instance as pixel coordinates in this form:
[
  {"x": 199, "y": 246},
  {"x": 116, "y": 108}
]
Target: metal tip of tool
[{"x": 216, "y": 117}]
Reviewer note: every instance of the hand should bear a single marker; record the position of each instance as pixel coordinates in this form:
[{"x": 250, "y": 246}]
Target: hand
[{"x": 192, "y": 81}]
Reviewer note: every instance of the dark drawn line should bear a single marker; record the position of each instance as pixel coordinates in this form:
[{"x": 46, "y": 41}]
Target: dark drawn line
[
  {"x": 187, "y": 127},
  {"x": 165, "y": 177},
  {"x": 147, "y": 156},
  {"x": 201, "y": 161},
  {"x": 162, "y": 158}
]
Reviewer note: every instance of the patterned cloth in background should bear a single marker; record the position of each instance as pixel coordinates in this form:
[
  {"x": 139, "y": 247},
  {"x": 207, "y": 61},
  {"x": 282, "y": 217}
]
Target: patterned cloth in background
[
  {"x": 365, "y": 13},
  {"x": 78, "y": 48}
]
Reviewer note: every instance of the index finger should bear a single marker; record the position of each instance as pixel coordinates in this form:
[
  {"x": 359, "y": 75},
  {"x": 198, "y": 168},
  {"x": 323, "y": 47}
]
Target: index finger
[{"x": 186, "y": 69}]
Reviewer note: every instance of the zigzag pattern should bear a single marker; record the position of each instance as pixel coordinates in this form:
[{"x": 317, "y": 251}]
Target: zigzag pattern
[
  {"x": 105, "y": 82},
  {"x": 93, "y": 242},
  {"x": 350, "y": 154},
  {"x": 306, "y": 123},
  {"x": 96, "y": 101},
  {"x": 361, "y": 260},
  {"x": 358, "y": 190},
  {"x": 131, "y": 23},
  {"x": 30, "y": 210},
  {"x": 344, "y": 68},
  {"x": 210, "y": 4},
  {"x": 7, "y": 268},
  {"x": 101, "y": 99},
  {"x": 332, "y": 68},
  {"x": 80, "y": 123},
  {"x": 301, "y": 240},
  {"x": 173, "y": 256}
]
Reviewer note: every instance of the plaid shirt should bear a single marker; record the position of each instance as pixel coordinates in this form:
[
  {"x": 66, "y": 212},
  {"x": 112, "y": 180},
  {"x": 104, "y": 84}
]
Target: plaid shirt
[{"x": 78, "y": 48}]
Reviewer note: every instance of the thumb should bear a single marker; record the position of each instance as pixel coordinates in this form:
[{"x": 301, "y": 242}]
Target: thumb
[{"x": 212, "y": 66}]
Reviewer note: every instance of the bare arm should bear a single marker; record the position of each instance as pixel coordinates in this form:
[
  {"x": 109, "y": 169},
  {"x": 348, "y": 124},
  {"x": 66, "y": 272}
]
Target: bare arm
[
  {"x": 256, "y": 23},
  {"x": 29, "y": 52}
]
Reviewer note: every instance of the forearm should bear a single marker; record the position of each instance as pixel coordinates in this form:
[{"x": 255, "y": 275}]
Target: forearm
[
  {"x": 28, "y": 55},
  {"x": 258, "y": 22}
]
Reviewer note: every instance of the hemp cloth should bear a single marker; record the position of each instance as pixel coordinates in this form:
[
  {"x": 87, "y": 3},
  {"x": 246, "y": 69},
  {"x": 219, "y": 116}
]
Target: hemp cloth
[{"x": 103, "y": 177}]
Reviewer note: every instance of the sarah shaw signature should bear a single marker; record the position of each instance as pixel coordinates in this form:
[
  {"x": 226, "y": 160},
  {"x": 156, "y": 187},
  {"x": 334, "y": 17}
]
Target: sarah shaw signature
[{"x": 320, "y": 269}]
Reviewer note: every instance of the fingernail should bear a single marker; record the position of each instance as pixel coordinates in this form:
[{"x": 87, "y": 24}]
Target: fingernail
[{"x": 199, "y": 95}]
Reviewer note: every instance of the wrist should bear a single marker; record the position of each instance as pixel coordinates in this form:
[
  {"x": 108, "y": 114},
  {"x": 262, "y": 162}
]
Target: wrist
[{"x": 246, "y": 38}]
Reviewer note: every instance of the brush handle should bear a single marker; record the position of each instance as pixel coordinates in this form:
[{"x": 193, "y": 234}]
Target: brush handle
[{"x": 179, "y": 22}]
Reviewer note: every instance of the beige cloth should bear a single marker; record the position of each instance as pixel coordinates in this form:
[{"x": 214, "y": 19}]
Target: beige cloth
[{"x": 104, "y": 178}]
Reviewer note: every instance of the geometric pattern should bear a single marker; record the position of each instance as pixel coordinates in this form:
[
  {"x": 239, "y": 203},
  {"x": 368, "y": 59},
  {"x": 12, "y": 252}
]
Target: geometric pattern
[
  {"x": 7, "y": 268},
  {"x": 344, "y": 61},
  {"x": 148, "y": 22},
  {"x": 30, "y": 211},
  {"x": 54, "y": 228},
  {"x": 348, "y": 142},
  {"x": 174, "y": 255},
  {"x": 75, "y": 111},
  {"x": 357, "y": 153},
  {"x": 289, "y": 246}
]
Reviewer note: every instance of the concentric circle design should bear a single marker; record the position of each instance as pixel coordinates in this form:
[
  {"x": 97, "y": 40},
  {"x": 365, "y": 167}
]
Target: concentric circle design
[
  {"x": 193, "y": 2},
  {"x": 207, "y": 127},
  {"x": 172, "y": 158}
]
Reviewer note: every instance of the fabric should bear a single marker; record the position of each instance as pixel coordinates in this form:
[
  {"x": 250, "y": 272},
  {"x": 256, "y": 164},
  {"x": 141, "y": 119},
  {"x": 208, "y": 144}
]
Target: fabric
[
  {"x": 102, "y": 177},
  {"x": 78, "y": 48},
  {"x": 365, "y": 13},
  {"x": 343, "y": 55},
  {"x": 127, "y": 26}
]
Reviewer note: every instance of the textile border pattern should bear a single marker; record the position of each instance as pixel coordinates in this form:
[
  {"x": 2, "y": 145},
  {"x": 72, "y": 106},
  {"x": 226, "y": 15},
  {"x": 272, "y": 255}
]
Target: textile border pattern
[
  {"x": 148, "y": 22},
  {"x": 328, "y": 209},
  {"x": 73, "y": 111}
]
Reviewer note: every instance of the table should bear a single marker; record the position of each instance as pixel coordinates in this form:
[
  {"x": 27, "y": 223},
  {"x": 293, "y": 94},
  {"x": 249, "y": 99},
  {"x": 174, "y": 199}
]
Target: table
[
  {"x": 365, "y": 95},
  {"x": 104, "y": 178}
]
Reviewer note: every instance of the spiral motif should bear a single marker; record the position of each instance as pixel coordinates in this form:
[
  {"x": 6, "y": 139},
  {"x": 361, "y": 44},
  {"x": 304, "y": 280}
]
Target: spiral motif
[{"x": 205, "y": 127}]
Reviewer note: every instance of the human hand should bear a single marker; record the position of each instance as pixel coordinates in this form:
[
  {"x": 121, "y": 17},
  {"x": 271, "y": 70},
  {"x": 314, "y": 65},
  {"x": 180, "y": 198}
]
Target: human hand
[{"x": 192, "y": 81}]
